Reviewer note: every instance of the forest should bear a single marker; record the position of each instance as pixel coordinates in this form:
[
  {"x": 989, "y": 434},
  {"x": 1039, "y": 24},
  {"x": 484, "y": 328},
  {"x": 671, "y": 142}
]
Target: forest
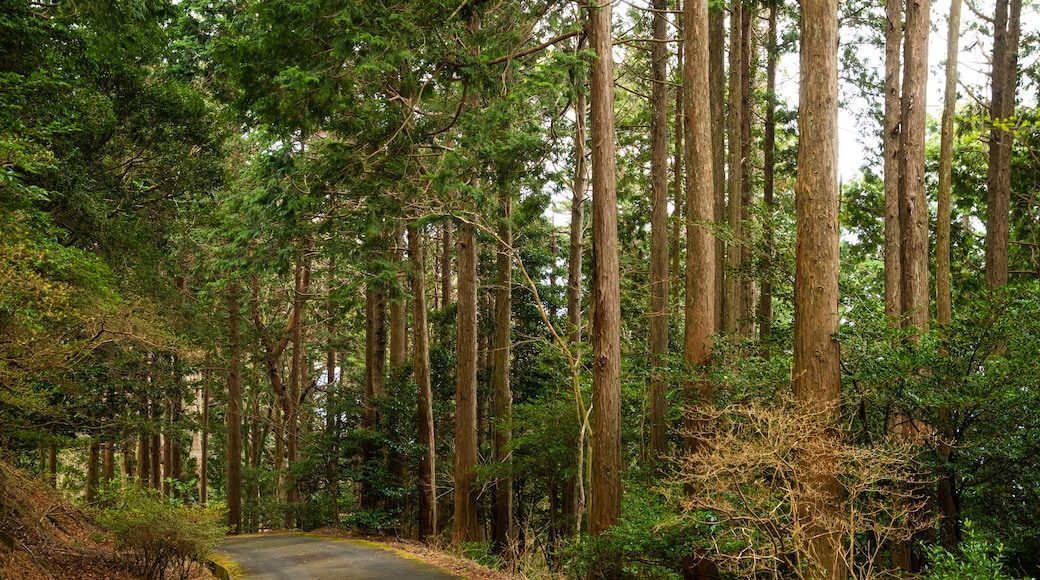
[{"x": 574, "y": 289}]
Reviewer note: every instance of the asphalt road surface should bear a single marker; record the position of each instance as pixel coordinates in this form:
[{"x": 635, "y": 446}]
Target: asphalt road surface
[{"x": 303, "y": 557}]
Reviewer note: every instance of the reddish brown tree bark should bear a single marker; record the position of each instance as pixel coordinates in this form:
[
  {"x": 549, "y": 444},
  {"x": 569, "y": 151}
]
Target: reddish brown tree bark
[
  {"x": 815, "y": 372},
  {"x": 913, "y": 202},
  {"x": 890, "y": 144},
  {"x": 701, "y": 195},
  {"x": 427, "y": 482},
  {"x": 735, "y": 175},
  {"x": 466, "y": 516},
  {"x": 1006, "y": 31},
  {"x": 234, "y": 414},
  {"x": 659, "y": 234},
  {"x": 502, "y": 405},
  {"x": 606, "y": 287}
]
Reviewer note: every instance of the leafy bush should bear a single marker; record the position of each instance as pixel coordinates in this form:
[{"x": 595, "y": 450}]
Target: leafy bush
[
  {"x": 979, "y": 559},
  {"x": 371, "y": 519},
  {"x": 155, "y": 534},
  {"x": 482, "y": 553}
]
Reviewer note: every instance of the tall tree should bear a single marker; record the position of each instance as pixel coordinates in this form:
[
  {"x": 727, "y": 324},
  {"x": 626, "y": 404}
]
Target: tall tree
[
  {"x": 815, "y": 371},
  {"x": 503, "y": 396},
  {"x": 467, "y": 528},
  {"x": 606, "y": 284},
  {"x": 746, "y": 322},
  {"x": 943, "y": 298},
  {"x": 375, "y": 373},
  {"x": 573, "y": 493},
  {"x": 398, "y": 307},
  {"x": 659, "y": 232},
  {"x": 701, "y": 258},
  {"x": 943, "y": 292},
  {"x": 890, "y": 140},
  {"x": 447, "y": 294},
  {"x": 913, "y": 203},
  {"x": 717, "y": 88},
  {"x": 1003, "y": 82},
  {"x": 93, "y": 467},
  {"x": 234, "y": 415},
  {"x": 577, "y": 223},
  {"x": 678, "y": 167},
  {"x": 466, "y": 521},
  {"x": 298, "y": 364},
  {"x": 421, "y": 367},
  {"x": 735, "y": 176},
  {"x": 765, "y": 298},
  {"x": 207, "y": 372}
]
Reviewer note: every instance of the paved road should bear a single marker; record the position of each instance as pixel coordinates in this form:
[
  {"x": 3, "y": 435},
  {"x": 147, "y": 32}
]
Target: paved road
[{"x": 303, "y": 557}]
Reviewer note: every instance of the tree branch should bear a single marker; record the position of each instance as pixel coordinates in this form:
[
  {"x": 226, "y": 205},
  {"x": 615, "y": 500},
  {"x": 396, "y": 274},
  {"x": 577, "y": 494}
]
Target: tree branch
[{"x": 535, "y": 48}]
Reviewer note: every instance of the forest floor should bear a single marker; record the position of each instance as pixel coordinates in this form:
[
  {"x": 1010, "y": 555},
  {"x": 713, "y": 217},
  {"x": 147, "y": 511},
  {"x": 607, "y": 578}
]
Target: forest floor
[{"x": 43, "y": 536}]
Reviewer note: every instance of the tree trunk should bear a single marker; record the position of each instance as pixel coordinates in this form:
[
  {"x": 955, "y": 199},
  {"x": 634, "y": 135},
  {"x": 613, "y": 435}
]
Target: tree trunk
[
  {"x": 606, "y": 286},
  {"x": 735, "y": 175},
  {"x": 890, "y": 143},
  {"x": 272, "y": 358},
  {"x": 466, "y": 524},
  {"x": 700, "y": 197},
  {"x": 129, "y": 459},
  {"x": 765, "y": 298},
  {"x": 572, "y": 495},
  {"x": 297, "y": 369},
  {"x": 427, "y": 481},
  {"x": 504, "y": 535},
  {"x": 176, "y": 459},
  {"x": 1006, "y": 31},
  {"x": 156, "y": 446},
  {"x": 447, "y": 243},
  {"x": 93, "y": 467},
  {"x": 332, "y": 404},
  {"x": 678, "y": 166},
  {"x": 108, "y": 469},
  {"x": 943, "y": 291},
  {"x": 943, "y": 297},
  {"x": 659, "y": 235},
  {"x": 701, "y": 289},
  {"x": 167, "y": 447},
  {"x": 204, "y": 440},
  {"x": 745, "y": 320},
  {"x": 815, "y": 373},
  {"x": 913, "y": 203},
  {"x": 52, "y": 465},
  {"x": 484, "y": 390},
  {"x": 234, "y": 415},
  {"x": 398, "y": 307},
  {"x": 717, "y": 89},
  {"x": 375, "y": 373},
  {"x": 577, "y": 228},
  {"x": 278, "y": 453},
  {"x": 144, "y": 469}
]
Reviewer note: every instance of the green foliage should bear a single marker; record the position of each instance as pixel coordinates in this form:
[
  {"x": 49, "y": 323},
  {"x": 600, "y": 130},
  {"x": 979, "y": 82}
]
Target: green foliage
[
  {"x": 156, "y": 535},
  {"x": 482, "y": 553},
  {"x": 651, "y": 541},
  {"x": 98, "y": 152},
  {"x": 977, "y": 558}
]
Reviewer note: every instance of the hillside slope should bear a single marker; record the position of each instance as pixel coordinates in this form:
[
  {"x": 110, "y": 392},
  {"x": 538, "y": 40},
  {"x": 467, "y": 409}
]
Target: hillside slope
[{"x": 43, "y": 536}]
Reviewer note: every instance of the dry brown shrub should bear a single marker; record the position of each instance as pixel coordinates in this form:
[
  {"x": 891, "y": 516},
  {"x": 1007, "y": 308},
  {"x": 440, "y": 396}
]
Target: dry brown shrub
[{"x": 744, "y": 483}]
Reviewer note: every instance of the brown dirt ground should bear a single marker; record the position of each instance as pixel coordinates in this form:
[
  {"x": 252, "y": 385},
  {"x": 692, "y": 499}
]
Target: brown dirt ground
[{"x": 52, "y": 538}]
